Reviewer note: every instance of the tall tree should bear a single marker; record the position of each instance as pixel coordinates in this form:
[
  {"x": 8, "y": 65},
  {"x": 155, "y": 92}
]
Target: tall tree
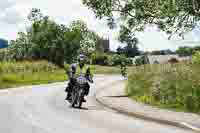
[
  {"x": 171, "y": 16},
  {"x": 88, "y": 39},
  {"x": 45, "y": 39},
  {"x": 120, "y": 50}
]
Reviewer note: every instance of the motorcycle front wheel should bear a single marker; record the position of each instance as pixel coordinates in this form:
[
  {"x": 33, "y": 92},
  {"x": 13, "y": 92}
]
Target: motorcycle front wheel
[
  {"x": 74, "y": 98},
  {"x": 80, "y": 98}
]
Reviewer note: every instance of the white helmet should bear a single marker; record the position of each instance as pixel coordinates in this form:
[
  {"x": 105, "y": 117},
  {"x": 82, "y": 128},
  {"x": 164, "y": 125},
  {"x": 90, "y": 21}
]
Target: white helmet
[{"x": 81, "y": 57}]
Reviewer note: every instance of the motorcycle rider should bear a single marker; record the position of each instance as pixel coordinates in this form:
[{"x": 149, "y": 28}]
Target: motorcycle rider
[{"x": 74, "y": 71}]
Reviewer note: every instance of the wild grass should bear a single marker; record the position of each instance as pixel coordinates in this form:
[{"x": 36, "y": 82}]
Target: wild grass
[
  {"x": 172, "y": 86},
  {"x": 97, "y": 69},
  {"x": 13, "y": 74}
]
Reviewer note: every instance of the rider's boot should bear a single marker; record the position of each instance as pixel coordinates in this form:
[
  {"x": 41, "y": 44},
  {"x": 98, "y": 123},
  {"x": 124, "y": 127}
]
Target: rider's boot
[
  {"x": 83, "y": 99},
  {"x": 68, "y": 96}
]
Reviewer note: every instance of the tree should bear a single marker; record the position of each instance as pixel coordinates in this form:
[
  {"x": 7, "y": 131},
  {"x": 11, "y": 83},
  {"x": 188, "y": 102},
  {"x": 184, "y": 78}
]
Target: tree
[
  {"x": 196, "y": 48},
  {"x": 87, "y": 39},
  {"x": 120, "y": 50},
  {"x": 185, "y": 51},
  {"x": 131, "y": 50},
  {"x": 35, "y": 15},
  {"x": 162, "y": 52},
  {"x": 140, "y": 61},
  {"x": 47, "y": 40},
  {"x": 171, "y": 16}
]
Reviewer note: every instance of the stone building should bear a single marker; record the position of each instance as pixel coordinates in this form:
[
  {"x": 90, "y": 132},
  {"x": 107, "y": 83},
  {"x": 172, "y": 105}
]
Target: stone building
[
  {"x": 106, "y": 45},
  {"x": 162, "y": 59}
]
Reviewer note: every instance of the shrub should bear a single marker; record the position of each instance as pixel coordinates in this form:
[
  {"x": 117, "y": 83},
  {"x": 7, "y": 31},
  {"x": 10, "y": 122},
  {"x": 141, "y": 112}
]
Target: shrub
[
  {"x": 110, "y": 60},
  {"x": 129, "y": 61},
  {"x": 196, "y": 58},
  {"x": 100, "y": 59},
  {"x": 173, "y": 60},
  {"x": 118, "y": 59},
  {"x": 140, "y": 61},
  {"x": 3, "y": 54}
]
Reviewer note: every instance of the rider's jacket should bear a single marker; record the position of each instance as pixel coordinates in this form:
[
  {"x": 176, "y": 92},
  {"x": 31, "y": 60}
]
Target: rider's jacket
[{"x": 76, "y": 70}]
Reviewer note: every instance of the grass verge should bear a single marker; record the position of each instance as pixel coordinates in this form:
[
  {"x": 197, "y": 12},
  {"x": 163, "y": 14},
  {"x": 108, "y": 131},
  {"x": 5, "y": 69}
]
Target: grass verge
[
  {"x": 14, "y": 74},
  {"x": 106, "y": 70},
  {"x": 175, "y": 86}
]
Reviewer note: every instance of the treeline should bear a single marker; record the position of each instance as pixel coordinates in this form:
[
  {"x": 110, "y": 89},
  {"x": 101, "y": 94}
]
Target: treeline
[
  {"x": 187, "y": 51},
  {"x": 181, "y": 51},
  {"x": 45, "y": 39}
]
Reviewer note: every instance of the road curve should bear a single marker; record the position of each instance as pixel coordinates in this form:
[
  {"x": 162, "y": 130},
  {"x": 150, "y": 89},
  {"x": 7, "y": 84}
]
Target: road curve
[{"x": 42, "y": 109}]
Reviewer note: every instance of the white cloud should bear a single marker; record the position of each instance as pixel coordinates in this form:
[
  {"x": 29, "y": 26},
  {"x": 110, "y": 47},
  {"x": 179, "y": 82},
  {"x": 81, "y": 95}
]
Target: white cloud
[
  {"x": 11, "y": 16},
  {"x": 4, "y": 4},
  {"x": 153, "y": 39},
  {"x": 9, "y": 13}
]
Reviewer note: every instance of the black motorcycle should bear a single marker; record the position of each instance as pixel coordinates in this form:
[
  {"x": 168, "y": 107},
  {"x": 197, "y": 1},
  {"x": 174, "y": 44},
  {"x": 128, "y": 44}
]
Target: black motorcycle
[{"x": 78, "y": 91}]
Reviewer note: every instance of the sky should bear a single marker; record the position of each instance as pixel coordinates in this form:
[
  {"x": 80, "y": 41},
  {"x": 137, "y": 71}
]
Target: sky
[{"x": 13, "y": 19}]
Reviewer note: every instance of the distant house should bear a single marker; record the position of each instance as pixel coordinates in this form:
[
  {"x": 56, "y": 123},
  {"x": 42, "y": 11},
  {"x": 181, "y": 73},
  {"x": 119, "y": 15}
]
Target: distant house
[
  {"x": 3, "y": 43},
  {"x": 162, "y": 59}
]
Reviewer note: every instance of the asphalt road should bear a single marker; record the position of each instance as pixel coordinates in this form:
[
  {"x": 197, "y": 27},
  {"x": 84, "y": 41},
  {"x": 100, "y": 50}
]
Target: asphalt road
[{"x": 42, "y": 109}]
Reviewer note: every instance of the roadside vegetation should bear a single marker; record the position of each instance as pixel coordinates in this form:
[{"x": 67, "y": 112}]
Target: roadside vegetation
[
  {"x": 106, "y": 69},
  {"x": 171, "y": 86},
  {"x": 13, "y": 74}
]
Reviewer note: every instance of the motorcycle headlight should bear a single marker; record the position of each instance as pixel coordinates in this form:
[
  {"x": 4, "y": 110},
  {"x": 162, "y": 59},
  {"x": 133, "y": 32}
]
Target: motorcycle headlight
[{"x": 81, "y": 80}]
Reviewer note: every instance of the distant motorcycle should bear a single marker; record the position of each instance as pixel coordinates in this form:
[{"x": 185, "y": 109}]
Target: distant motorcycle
[{"x": 78, "y": 91}]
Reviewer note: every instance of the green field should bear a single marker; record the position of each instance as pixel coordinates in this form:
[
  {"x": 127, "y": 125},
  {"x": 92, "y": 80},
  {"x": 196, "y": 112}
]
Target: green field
[
  {"x": 106, "y": 69},
  {"x": 14, "y": 74},
  {"x": 175, "y": 86}
]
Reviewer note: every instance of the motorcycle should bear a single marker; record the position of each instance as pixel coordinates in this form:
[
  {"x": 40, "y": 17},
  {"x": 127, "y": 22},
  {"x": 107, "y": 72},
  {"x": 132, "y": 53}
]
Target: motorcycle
[{"x": 78, "y": 91}]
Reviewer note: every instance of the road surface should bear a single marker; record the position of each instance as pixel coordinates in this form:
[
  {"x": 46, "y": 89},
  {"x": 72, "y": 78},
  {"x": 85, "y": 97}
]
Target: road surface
[{"x": 42, "y": 109}]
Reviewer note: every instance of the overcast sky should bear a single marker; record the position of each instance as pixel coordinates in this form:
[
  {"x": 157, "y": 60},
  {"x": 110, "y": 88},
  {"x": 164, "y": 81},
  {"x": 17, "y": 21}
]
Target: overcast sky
[{"x": 13, "y": 14}]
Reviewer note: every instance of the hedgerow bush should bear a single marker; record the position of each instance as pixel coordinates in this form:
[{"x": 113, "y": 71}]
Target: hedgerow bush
[
  {"x": 100, "y": 59},
  {"x": 110, "y": 60},
  {"x": 196, "y": 58},
  {"x": 140, "y": 61}
]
